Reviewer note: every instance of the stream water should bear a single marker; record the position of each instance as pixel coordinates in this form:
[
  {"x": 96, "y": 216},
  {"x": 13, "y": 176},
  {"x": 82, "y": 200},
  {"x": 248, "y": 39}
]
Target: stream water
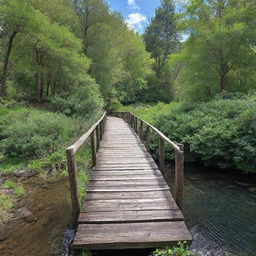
[
  {"x": 41, "y": 234},
  {"x": 220, "y": 210}
]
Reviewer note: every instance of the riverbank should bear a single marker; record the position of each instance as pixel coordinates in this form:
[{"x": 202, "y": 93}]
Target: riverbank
[{"x": 39, "y": 219}]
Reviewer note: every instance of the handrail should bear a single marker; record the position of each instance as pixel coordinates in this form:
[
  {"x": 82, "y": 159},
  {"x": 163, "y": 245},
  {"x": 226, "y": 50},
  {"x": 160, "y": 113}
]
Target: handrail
[
  {"x": 95, "y": 133},
  {"x": 174, "y": 145},
  {"x": 84, "y": 137},
  {"x": 132, "y": 120}
]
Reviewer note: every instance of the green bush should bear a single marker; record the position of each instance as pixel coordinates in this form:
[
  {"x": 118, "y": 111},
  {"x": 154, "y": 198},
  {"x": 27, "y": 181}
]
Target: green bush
[
  {"x": 220, "y": 132},
  {"x": 33, "y": 133},
  {"x": 84, "y": 102},
  {"x": 181, "y": 250}
]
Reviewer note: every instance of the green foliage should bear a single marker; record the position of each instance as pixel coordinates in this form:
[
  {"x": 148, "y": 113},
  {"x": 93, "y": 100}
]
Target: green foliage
[
  {"x": 181, "y": 250},
  {"x": 120, "y": 63},
  {"x": 6, "y": 203},
  {"x": 161, "y": 38},
  {"x": 219, "y": 54},
  {"x": 83, "y": 102},
  {"x": 11, "y": 165},
  {"x": 19, "y": 191},
  {"x": 83, "y": 159},
  {"x": 34, "y": 133},
  {"x": 9, "y": 184},
  {"x": 220, "y": 132},
  {"x": 149, "y": 112}
]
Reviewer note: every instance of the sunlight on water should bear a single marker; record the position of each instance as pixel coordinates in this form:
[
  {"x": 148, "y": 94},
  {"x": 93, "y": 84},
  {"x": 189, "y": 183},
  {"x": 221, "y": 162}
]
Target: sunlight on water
[{"x": 221, "y": 213}]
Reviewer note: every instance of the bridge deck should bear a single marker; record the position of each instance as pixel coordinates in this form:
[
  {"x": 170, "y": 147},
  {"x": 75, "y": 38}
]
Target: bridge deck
[{"x": 128, "y": 204}]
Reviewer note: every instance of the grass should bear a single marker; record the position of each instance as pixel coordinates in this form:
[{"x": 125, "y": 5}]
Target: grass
[
  {"x": 11, "y": 165},
  {"x": 181, "y": 250},
  {"x": 6, "y": 203},
  {"x": 149, "y": 112},
  {"x": 18, "y": 190}
]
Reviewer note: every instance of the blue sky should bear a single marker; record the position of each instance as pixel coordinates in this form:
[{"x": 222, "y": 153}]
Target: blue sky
[{"x": 137, "y": 13}]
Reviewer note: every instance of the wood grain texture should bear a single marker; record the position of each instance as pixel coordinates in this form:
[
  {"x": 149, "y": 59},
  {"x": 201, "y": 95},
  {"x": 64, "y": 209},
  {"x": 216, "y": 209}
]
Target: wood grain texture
[
  {"x": 130, "y": 235},
  {"x": 128, "y": 202}
]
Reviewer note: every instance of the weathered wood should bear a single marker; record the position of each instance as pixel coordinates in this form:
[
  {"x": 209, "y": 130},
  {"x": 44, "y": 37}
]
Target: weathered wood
[
  {"x": 93, "y": 148},
  {"x": 97, "y": 137},
  {"x": 82, "y": 139},
  {"x": 160, "y": 134},
  {"x": 141, "y": 131},
  {"x": 129, "y": 195},
  {"x": 179, "y": 173},
  {"x": 130, "y": 216},
  {"x": 147, "y": 137},
  {"x": 127, "y": 188},
  {"x": 130, "y": 235},
  {"x": 129, "y": 205},
  {"x": 72, "y": 171},
  {"x": 161, "y": 155}
]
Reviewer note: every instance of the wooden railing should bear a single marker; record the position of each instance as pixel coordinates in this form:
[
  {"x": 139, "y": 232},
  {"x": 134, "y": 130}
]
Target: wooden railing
[
  {"x": 138, "y": 124},
  {"x": 95, "y": 133}
]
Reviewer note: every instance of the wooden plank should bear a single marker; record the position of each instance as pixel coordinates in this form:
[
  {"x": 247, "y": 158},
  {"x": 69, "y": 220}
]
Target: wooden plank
[
  {"x": 130, "y": 188},
  {"x": 130, "y": 235},
  {"x": 123, "y": 172},
  {"x": 128, "y": 195},
  {"x": 130, "y": 216},
  {"x": 124, "y": 177},
  {"x": 126, "y": 183},
  {"x": 96, "y": 168},
  {"x": 129, "y": 205}
]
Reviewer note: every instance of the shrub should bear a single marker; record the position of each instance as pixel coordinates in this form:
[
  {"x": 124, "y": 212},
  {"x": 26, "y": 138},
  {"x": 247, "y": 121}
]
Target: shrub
[
  {"x": 84, "y": 102},
  {"x": 6, "y": 203},
  {"x": 34, "y": 133},
  {"x": 181, "y": 250},
  {"x": 220, "y": 133}
]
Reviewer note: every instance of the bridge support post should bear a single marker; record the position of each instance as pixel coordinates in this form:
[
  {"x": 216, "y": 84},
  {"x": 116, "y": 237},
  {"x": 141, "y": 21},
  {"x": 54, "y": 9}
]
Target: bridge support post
[
  {"x": 72, "y": 172},
  {"x": 161, "y": 156},
  {"x": 179, "y": 175},
  {"x": 141, "y": 131},
  {"x": 97, "y": 137},
  {"x": 147, "y": 137},
  {"x": 93, "y": 149}
]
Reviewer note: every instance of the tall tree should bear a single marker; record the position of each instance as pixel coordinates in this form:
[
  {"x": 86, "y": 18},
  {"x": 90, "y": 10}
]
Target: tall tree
[
  {"x": 14, "y": 16},
  {"x": 112, "y": 46},
  {"x": 219, "y": 55},
  {"x": 161, "y": 40},
  {"x": 161, "y": 35}
]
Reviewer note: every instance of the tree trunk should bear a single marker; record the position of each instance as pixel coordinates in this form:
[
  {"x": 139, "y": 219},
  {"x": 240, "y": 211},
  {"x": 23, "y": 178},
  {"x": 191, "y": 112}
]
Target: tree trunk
[
  {"x": 223, "y": 70},
  {"x": 40, "y": 78},
  {"x": 5, "y": 66}
]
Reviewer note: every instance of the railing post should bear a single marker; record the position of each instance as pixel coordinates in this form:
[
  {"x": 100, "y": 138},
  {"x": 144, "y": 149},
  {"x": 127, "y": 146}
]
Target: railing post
[
  {"x": 97, "y": 138},
  {"x": 179, "y": 175},
  {"x": 72, "y": 172},
  {"x": 147, "y": 136},
  {"x": 93, "y": 148},
  {"x": 136, "y": 125},
  {"x": 101, "y": 129},
  {"x": 141, "y": 131},
  {"x": 161, "y": 156}
]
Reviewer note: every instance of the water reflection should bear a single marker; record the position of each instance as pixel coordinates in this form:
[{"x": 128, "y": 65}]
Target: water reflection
[{"x": 220, "y": 211}]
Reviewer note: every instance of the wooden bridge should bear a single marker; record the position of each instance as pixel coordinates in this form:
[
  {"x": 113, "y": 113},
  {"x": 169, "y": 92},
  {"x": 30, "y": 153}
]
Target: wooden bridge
[{"x": 128, "y": 203}]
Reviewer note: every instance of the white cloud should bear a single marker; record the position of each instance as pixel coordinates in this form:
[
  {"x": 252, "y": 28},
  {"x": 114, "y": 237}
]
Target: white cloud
[
  {"x": 135, "y": 20},
  {"x": 132, "y": 4}
]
